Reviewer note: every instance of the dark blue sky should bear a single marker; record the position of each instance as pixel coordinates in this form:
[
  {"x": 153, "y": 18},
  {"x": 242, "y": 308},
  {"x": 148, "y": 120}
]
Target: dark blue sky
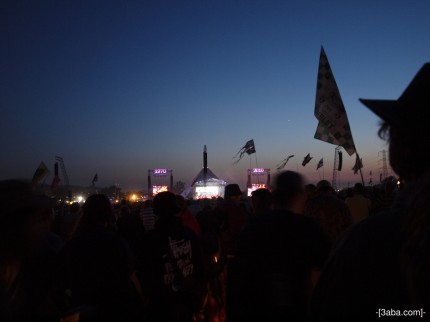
[{"x": 120, "y": 87}]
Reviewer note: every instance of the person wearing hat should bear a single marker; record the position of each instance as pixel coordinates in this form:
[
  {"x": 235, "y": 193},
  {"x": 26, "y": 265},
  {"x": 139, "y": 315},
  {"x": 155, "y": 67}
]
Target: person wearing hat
[
  {"x": 380, "y": 267},
  {"x": 170, "y": 266}
]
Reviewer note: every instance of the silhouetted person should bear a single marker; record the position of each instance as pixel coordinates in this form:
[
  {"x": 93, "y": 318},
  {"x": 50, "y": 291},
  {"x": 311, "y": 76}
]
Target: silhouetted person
[
  {"x": 214, "y": 260},
  {"x": 99, "y": 267},
  {"x": 24, "y": 295},
  {"x": 382, "y": 262},
  {"x": 358, "y": 204},
  {"x": 278, "y": 260},
  {"x": 261, "y": 201},
  {"x": 171, "y": 268},
  {"x": 233, "y": 217},
  {"x": 329, "y": 211}
]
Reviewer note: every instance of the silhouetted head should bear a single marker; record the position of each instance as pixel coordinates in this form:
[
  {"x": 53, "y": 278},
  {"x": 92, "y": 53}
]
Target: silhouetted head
[
  {"x": 97, "y": 211},
  {"x": 359, "y": 188},
  {"x": 289, "y": 189},
  {"x": 165, "y": 205},
  {"x": 404, "y": 126},
  {"x": 232, "y": 190},
  {"x": 324, "y": 186},
  {"x": 261, "y": 200}
]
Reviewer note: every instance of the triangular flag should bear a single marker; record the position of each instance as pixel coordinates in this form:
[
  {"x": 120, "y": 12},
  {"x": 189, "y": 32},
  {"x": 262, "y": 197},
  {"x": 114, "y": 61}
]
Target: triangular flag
[
  {"x": 320, "y": 164},
  {"x": 96, "y": 178},
  {"x": 333, "y": 126},
  {"x": 40, "y": 173},
  {"x": 306, "y": 160},
  {"x": 282, "y": 164}
]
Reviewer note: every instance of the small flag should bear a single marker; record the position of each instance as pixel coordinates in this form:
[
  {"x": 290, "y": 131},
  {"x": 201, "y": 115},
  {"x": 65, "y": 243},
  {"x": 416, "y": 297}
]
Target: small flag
[
  {"x": 40, "y": 173},
  {"x": 282, "y": 164},
  {"x": 95, "y": 179},
  {"x": 333, "y": 126},
  {"x": 306, "y": 160},
  {"x": 320, "y": 164},
  {"x": 339, "y": 166},
  {"x": 248, "y": 148},
  {"x": 56, "y": 179},
  {"x": 358, "y": 164}
]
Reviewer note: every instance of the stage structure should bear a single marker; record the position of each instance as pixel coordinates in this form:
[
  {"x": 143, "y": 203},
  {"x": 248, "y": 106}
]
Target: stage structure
[
  {"x": 206, "y": 184},
  {"x": 159, "y": 180},
  {"x": 258, "y": 178}
]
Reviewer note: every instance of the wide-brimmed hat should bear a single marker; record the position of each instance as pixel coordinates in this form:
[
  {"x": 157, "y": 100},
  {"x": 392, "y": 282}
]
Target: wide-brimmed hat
[{"x": 413, "y": 104}]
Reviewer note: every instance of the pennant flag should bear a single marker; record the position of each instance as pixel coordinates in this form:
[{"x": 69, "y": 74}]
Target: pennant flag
[
  {"x": 248, "y": 148},
  {"x": 333, "y": 126},
  {"x": 358, "y": 165},
  {"x": 95, "y": 179},
  {"x": 282, "y": 164},
  {"x": 40, "y": 173},
  {"x": 306, "y": 160},
  {"x": 339, "y": 166},
  {"x": 56, "y": 179},
  {"x": 320, "y": 164}
]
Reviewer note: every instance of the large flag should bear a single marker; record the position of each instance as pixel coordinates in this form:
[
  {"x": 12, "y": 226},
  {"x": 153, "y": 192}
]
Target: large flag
[
  {"x": 282, "y": 164},
  {"x": 306, "y": 160},
  {"x": 320, "y": 163},
  {"x": 333, "y": 126},
  {"x": 56, "y": 179},
  {"x": 41, "y": 172},
  {"x": 248, "y": 148}
]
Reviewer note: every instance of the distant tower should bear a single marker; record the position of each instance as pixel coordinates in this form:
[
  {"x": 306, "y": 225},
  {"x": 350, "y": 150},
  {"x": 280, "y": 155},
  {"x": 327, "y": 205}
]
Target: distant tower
[
  {"x": 384, "y": 165},
  {"x": 205, "y": 161},
  {"x": 337, "y": 166}
]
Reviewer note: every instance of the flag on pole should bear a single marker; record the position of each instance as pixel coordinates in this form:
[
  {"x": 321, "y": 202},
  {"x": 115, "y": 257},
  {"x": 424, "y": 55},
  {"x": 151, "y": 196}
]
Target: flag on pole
[
  {"x": 320, "y": 164},
  {"x": 248, "y": 148},
  {"x": 358, "y": 165},
  {"x": 306, "y": 160},
  {"x": 56, "y": 179},
  {"x": 333, "y": 126},
  {"x": 95, "y": 179},
  {"x": 40, "y": 173},
  {"x": 282, "y": 164}
]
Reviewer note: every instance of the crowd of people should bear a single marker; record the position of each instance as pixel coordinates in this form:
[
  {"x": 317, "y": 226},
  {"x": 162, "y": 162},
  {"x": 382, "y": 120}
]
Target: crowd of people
[{"x": 295, "y": 252}]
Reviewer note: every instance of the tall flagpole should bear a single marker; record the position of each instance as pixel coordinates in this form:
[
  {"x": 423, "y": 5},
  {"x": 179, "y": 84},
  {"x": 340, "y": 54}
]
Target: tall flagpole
[{"x": 359, "y": 167}]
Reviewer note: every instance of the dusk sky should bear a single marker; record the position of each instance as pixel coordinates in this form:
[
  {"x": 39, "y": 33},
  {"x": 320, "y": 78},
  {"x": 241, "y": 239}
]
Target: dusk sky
[{"x": 120, "y": 87}]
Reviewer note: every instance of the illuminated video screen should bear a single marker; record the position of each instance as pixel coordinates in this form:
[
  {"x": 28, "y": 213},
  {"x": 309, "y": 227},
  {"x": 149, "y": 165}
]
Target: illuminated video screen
[
  {"x": 207, "y": 192},
  {"x": 256, "y": 186},
  {"x": 158, "y": 189}
]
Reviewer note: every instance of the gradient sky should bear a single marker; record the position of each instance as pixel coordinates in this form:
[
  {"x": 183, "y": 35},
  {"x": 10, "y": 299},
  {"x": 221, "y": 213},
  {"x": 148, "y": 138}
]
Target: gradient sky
[{"x": 120, "y": 87}]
